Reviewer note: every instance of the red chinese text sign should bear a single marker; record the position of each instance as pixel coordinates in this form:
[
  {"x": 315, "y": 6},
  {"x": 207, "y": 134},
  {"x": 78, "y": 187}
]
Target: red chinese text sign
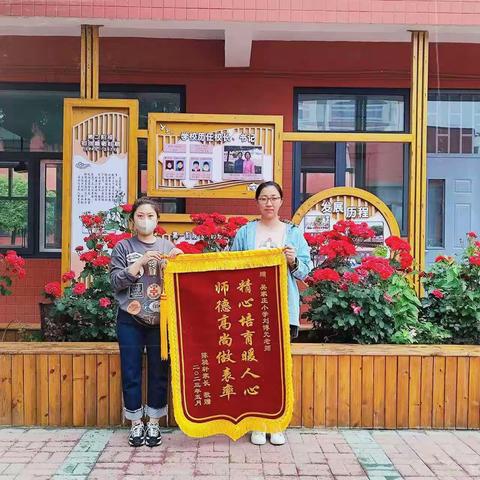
[{"x": 229, "y": 342}]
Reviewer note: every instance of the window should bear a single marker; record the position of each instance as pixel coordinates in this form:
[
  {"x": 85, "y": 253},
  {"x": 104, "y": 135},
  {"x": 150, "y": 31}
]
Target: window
[
  {"x": 31, "y": 133},
  {"x": 453, "y": 123},
  {"x": 436, "y": 213},
  {"x": 380, "y": 168},
  {"x": 14, "y": 206},
  {"x": 317, "y": 167},
  {"x": 50, "y": 206},
  {"x": 31, "y": 120},
  {"x": 151, "y": 98},
  {"x": 323, "y": 111}
]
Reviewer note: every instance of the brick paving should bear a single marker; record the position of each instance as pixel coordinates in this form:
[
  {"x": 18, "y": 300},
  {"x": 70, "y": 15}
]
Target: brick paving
[{"x": 97, "y": 454}]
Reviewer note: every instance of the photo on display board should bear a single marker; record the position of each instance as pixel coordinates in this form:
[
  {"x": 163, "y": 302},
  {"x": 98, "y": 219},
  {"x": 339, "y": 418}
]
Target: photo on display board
[
  {"x": 316, "y": 222},
  {"x": 201, "y": 168},
  {"x": 174, "y": 167},
  {"x": 243, "y": 162}
]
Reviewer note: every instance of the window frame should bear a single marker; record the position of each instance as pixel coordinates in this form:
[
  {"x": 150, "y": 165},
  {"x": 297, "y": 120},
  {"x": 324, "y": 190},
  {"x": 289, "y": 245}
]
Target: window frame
[
  {"x": 362, "y": 93},
  {"x": 33, "y": 159},
  {"x": 42, "y": 204},
  {"x": 340, "y": 147}
]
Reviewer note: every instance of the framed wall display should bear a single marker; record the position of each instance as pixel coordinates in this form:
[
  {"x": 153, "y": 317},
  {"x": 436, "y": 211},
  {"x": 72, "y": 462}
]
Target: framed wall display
[
  {"x": 212, "y": 156},
  {"x": 321, "y": 211},
  {"x": 99, "y": 164}
]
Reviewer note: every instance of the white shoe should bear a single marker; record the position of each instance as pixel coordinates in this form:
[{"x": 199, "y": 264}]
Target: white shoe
[
  {"x": 258, "y": 438},
  {"x": 277, "y": 438}
]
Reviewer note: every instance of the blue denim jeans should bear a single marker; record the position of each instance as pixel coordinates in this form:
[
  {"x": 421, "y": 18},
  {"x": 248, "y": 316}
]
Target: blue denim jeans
[{"x": 132, "y": 339}]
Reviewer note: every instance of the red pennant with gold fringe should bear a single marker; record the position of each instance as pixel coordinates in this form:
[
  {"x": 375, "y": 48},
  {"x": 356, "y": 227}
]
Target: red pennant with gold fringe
[{"x": 229, "y": 342}]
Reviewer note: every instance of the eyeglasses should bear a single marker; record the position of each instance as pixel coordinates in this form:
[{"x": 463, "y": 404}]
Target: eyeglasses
[{"x": 268, "y": 199}]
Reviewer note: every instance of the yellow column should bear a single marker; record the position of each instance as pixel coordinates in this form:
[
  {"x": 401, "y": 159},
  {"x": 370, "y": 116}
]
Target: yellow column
[
  {"x": 418, "y": 150},
  {"x": 89, "y": 62}
]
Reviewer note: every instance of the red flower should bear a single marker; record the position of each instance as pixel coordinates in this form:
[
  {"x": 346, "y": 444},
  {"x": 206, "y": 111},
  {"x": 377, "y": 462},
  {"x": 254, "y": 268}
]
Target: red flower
[
  {"x": 98, "y": 219},
  {"x": 381, "y": 266},
  {"x": 438, "y": 293},
  {"x": 360, "y": 230},
  {"x": 159, "y": 230},
  {"x": 405, "y": 260},
  {"x": 475, "y": 260},
  {"x": 112, "y": 239},
  {"x": 199, "y": 218},
  {"x": 441, "y": 258},
  {"x": 88, "y": 256},
  {"x": 53, "y": 288},
  {"x": 352, "y": 277},
  {"x": 338, "y": 248},
  {"x": 66, "y": 277},
  {"x": 238, "y": 221},
  {"x": 127, "y": 208},
  {"x": 13, "y": 260},
  {"x": 104, "y": 302},
  {"x": 207, "y": 229},
  {"x": 326, "y": 274},
  {"x": 396, "y": 243},
  {"x": 186, "y": 247},
  {"x": 217, "y": 218},
  {"x": 79, "y": 249},
  {"x": 472, "y": 234},
  {"x": 79, "y": 288},
  {"x": 87, "y": 220},
  {"x": 356, "y": 309},
  {"x": 101, "y": 261}
]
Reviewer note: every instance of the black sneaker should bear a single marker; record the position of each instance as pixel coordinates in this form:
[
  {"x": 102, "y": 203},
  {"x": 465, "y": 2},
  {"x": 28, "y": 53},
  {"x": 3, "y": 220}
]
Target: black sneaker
[
  {"x": 137, "y": 435},
  {"x": 153, "y": 436}
]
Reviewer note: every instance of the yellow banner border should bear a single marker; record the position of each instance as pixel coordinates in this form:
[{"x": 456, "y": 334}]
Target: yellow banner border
[{"x": 227, "y": 261}]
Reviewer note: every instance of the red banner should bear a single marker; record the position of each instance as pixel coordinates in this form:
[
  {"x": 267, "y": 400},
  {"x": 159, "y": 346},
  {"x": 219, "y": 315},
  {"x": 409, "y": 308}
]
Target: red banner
[{"x": 229, "y": 342}]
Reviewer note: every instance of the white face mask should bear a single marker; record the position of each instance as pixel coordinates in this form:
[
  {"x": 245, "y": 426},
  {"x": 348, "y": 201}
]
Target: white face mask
[{"x": 145, "y": 226}]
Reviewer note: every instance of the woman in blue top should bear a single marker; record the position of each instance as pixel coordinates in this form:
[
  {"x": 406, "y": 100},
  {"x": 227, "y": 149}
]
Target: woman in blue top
[{"x": 271, "y": 232}]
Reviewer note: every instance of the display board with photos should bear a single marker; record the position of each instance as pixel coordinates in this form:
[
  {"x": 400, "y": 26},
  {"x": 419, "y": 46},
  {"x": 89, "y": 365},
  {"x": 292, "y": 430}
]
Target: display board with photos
[
  {"x": 320, "y": 212},
  {"x": 222, "y": 156}
]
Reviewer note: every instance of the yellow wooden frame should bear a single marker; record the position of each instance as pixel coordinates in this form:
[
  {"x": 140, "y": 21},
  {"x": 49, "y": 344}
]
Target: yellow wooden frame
[
  {"x": 347, "y": 137},
  {"x": 236, "y": 191},
  {"x": 418, "y": 151},
  {"x": 89, "y": 67},
  {"x": 69, "y": 106},
  {"x": 353, "y": 192},
  {"x": 89, "y": 61}
]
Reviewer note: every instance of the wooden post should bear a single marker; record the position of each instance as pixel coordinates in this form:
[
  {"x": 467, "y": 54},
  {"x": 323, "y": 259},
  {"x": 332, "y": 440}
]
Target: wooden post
[
  {"x": 89, "y": 62},
  {"x": 418, "y": 150}
]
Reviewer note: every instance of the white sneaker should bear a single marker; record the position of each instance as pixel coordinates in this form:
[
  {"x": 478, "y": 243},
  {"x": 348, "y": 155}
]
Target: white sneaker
[
  {"x": 277, "y": 438},
  {"x": 258, "y": 438}
]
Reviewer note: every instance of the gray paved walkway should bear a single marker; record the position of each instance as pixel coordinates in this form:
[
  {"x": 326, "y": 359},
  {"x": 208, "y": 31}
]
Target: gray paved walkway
[{"x": 310, "y": 454}]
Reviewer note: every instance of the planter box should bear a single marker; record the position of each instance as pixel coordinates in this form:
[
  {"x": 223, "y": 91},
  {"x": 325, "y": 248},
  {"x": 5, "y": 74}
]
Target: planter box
[{"x": 378, "y": 386}]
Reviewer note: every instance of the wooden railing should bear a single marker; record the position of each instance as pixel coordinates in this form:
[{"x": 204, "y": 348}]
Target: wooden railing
[{"x": 378, "y": 386}]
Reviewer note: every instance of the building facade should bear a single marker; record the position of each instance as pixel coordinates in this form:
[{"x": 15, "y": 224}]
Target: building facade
[{"x": 383, "y": 95}]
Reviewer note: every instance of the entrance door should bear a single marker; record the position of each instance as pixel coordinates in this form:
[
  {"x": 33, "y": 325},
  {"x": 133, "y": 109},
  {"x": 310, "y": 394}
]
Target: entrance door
[{"x": 453, "y": 196}]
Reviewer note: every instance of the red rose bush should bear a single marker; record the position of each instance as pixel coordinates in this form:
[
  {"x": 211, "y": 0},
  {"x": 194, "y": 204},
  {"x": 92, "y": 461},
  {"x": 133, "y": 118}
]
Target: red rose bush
[
  {"x": 452, "y": 293},
  {"x": 84, "y": 309},
  {"x": 357, "y": 296}
]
